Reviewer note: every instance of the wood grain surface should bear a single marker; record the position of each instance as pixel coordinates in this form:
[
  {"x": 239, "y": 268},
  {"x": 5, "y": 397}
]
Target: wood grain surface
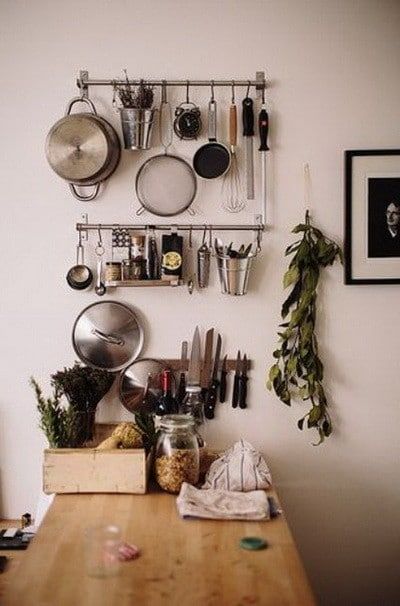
[{"x": 183, "y": 562}]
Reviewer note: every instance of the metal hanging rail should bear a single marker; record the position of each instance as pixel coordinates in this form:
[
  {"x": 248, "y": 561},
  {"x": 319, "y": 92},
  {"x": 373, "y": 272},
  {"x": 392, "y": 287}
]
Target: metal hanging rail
[
  {"x": 83, "y": 82},
  {"x": 167, "y": 226}
]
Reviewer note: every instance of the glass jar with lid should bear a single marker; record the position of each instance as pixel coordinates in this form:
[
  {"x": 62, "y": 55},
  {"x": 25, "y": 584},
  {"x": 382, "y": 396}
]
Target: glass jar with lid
[{"x": 177, "y": 453}]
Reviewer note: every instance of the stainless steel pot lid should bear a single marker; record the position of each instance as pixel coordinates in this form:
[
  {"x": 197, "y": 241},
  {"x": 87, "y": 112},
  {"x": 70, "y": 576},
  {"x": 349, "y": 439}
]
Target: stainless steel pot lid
[
  {"x": 141, "y": 378},
  {"x": 107, "y": 335}
]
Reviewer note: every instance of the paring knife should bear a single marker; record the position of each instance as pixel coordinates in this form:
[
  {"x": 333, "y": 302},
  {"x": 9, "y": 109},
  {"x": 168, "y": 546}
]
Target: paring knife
[
  {"x": 211, "y": 398},
  {"x": 242, "y": 388},
  {"x": 235, "y": 393},
  {"x": 193, "y": 377},
  {"x": 222, "y": 385},
  {"x": 206, "y": 370},
  {"x": 248, "y": 132},
  {"x": 181, "y": 391}
]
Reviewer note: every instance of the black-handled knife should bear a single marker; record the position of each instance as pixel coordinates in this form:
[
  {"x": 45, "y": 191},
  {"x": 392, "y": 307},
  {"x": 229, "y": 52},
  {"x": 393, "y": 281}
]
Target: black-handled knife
[
  {"x": 242, "y": 384},
  {"x": 235, "y": 392},
  {"x": 181, "y": 391},
  {"x": 248, "y": 133},
  {"x": 222, "y": 385},
  {"x": 211, "y": 398}
]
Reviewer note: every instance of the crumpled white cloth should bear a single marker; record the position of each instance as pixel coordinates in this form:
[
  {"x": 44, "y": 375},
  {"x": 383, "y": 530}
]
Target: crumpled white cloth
[
  {"x": 222, "y": 504},
  {"x": 241, "y": 468}
]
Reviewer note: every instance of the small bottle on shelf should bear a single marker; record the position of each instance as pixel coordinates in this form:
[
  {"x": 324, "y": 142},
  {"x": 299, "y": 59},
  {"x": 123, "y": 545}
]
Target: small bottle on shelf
[{"x": 166, "y": 404}]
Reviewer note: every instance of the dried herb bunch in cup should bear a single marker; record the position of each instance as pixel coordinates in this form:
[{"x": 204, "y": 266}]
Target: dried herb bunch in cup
[{"x": 135, "y": 97}]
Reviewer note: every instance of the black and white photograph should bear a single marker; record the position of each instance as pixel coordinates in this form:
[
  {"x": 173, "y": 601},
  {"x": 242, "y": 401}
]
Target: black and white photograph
[
  {"x": 372, "y": 216},
  {"x": 383, "y": 217}
]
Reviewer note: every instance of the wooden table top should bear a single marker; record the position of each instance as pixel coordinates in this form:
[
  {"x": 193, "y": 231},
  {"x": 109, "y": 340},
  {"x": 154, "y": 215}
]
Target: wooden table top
[{"x": 183, "y": 562}]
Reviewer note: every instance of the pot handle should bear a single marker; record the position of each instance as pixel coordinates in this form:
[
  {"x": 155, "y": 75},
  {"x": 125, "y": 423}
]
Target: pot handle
[
  {"x": 80, "y": 100},
  {"x": 84, "y": 198}
]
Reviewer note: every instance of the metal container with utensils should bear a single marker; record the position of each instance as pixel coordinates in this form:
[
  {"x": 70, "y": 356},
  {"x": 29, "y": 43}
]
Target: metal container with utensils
[
  {"x": 234, "y": 273},
  {"x": 107, "y": 335},
  {"x": 137, "y": 125}
]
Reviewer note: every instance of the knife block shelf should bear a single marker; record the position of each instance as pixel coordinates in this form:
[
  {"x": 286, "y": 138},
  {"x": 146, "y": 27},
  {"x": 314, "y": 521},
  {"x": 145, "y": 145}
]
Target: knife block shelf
[{"x": 176, "y": 364}]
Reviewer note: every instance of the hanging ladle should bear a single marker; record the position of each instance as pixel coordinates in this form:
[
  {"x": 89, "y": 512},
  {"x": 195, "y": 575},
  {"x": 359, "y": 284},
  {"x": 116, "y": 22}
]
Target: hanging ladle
[
  {"x": 80, "y": 276},
  {"x": 100, "y": 288}
]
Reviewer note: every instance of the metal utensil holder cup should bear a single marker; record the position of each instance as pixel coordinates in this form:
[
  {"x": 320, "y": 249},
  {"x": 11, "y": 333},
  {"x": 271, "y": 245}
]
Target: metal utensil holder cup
[
  {"x": 137, "y": 126},
  {"x": 234, "y": 273}
]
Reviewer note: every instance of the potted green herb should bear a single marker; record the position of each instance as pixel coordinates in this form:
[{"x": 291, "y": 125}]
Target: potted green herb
[
  {"x": 137, "y": 113},
  {"x": 298, "y": 370},
  {"x": 67, "y": 417}
]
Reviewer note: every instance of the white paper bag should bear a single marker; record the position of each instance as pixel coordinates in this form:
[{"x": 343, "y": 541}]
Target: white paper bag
[{"x": 241, "y": 468}]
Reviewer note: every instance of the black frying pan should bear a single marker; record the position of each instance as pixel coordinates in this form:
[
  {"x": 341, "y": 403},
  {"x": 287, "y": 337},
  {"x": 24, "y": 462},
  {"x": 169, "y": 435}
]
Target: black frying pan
[{"x": 213, "y": 159}]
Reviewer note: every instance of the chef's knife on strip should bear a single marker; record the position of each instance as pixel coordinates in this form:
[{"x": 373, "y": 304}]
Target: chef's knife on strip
[
  {"x": 248, "y": 133},
  {"x": 211, "y": 398},
  {"x": 235, "y": 392},
  {"x": 193, "y": 377},
  {"x": 242, "y": 384},
  {"x": 222, "y": 385},
  {"x": 181, "y": 391},
  {"x": 206, "y": 369}
]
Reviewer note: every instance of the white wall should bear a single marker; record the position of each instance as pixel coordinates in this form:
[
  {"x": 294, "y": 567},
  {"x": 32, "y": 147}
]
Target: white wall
[{"x": 335, "y": 86}]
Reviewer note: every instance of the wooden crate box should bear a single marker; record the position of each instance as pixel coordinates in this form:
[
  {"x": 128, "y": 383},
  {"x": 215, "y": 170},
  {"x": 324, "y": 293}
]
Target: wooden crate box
[{"x": 74, "y": 470}]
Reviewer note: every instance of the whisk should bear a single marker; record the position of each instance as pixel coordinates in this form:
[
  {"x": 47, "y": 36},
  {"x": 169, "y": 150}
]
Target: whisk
[{"x": 233, "y": 196}]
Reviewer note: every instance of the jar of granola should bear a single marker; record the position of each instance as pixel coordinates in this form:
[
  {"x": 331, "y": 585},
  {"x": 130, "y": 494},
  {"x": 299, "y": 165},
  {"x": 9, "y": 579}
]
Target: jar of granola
[{"x": 177, "y": 453}]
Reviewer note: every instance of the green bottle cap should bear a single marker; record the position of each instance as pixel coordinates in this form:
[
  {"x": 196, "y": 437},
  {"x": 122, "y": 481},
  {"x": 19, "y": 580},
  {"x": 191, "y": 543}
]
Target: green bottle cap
[{"x": 253, "y": 543}]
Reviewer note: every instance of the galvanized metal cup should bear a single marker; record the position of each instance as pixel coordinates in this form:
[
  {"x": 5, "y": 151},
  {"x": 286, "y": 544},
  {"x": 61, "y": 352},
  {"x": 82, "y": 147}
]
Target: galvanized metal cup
[
  {"x": 234, "y": 274},
  {"x": 137, "y": 127}
]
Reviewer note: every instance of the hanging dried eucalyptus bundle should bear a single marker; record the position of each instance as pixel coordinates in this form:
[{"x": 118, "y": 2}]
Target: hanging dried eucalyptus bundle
[{"x": 298, "y": 370}]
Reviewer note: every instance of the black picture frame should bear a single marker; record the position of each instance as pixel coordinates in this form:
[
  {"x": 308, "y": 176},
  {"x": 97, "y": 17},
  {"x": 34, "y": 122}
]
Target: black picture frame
[{"x": 372, "y": 183}]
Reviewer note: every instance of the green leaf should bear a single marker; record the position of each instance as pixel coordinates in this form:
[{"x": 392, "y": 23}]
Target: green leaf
[
  {"x": 269, "y": 385},
  {"x": 274, "y": 372},
  {"x": 291, "y": 275},
  {"x": 277, "y": 353},
  {"x": 299, "y": 227}
]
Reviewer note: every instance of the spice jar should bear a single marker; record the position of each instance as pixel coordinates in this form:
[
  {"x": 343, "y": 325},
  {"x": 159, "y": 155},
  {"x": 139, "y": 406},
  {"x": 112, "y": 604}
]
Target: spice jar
[
  {"x": 113, "y": 271},
  {"x": 177, "y": 453}
]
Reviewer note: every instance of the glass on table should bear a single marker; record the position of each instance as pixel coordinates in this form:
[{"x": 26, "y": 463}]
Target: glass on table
[{"x": 102, "y": 545}]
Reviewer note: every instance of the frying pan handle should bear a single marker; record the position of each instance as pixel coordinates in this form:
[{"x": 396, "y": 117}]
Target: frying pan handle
[
  {"x": 84, "y": 198},
  {"x": 80, "y": 100},
  {"x": 212, "y": 121},
  {"x": 232, "y": 125},
  {"x": 112, "y": 339}
]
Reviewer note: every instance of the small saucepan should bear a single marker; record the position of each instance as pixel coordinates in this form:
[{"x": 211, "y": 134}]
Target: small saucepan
[
  {"x": 213, "y": 159},
  {"x": 80, "y": 276}
]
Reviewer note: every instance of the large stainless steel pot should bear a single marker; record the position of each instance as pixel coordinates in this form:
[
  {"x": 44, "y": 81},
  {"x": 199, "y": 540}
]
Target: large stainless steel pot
[
  {"x": 107, "y": 335},
  {"x": 83, "y": 149}
]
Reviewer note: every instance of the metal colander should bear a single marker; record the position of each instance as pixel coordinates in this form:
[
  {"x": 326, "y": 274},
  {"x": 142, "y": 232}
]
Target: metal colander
[{"x": 166, "y": 185}]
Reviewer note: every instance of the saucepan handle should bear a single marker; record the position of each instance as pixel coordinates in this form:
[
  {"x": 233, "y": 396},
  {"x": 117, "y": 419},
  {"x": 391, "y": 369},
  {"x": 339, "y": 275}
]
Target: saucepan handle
[
  {"x": 84, "y": 198},
  {"x": 80, "y": 100}
]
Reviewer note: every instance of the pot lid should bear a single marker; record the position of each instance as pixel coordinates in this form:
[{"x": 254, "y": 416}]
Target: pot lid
[
  {"x": 140, "y": 384},
  {"x": 77, "y": 147},
  {"x": 107, "y": 335}
]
